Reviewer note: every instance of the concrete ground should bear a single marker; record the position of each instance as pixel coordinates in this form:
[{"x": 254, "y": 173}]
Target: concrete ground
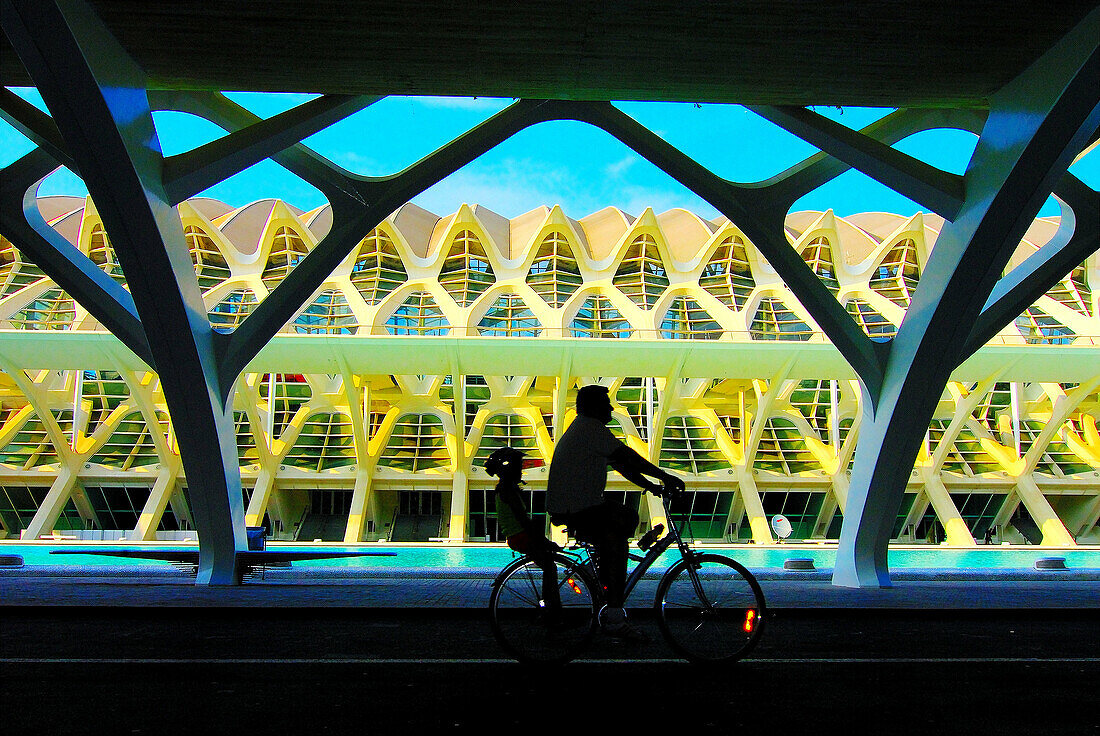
[
  {"x": 162, "y": 585},
  {"x": 146, "y": 651}
]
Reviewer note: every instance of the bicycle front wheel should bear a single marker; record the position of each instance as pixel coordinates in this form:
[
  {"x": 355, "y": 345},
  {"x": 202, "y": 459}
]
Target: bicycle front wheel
[
  {"x": 543, "y": 616},
  {"x": 712, "y": 613}
]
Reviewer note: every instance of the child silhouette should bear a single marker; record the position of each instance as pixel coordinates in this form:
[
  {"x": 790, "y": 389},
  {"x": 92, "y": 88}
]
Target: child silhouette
[{"x": 518, "y": 528}]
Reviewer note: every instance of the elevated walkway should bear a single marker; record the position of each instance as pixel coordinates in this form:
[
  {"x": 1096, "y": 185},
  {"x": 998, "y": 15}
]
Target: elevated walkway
[{"x": 734, "y": 358}]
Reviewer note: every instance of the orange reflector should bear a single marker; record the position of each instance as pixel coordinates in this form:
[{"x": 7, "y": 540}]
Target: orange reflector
[
  {"x": 750, "y": 620},
  {"x": 572, "y": 584}
]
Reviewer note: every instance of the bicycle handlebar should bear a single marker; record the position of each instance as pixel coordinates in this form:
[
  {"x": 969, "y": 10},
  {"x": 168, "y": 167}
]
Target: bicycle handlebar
[{"x": 666, "y": 491}]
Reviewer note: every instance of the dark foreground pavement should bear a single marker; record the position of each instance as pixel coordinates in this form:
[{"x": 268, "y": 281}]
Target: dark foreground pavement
[
  {"x": 158, "y": 656},
  {"x": 334, "y": 671},
  {"x": 630, "y": 698}
]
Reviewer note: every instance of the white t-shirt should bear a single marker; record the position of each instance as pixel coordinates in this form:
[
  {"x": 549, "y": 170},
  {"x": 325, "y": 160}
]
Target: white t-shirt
[{"x": 578, "y": 472}]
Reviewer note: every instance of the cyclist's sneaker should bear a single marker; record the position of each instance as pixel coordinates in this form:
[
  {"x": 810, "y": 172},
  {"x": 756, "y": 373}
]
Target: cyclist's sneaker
[
  {"x": 613, "y": 623},
  {"x": 624, "y": 631}
]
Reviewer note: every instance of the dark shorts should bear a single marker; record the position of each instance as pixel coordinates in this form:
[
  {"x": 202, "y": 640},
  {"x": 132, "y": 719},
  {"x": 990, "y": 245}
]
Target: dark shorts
[
  {"x": 593, "y": 522},
  {"x": 526, "y": 543}
]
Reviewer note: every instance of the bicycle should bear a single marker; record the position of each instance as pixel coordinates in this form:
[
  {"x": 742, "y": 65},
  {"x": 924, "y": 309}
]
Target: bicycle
[{"x": 709, "y": 608}]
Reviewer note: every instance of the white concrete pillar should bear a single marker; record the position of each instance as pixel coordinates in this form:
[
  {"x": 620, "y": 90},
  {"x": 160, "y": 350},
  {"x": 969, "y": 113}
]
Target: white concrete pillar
[
  {"x": 165, "y": 485},
  {"x": 754, "y": 508},
  {"x": 360, "y": 507},
  {"x": 460, "y": 504},
  {"x": 261, "y": 498},
  {"x": 53, "y": 504},
  {"x": 1054, "y": 531},
  {"x": 958, "y": 535}
]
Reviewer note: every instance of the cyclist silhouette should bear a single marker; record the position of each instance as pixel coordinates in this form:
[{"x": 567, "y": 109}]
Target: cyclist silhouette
[{"x": 575, "y": 497}]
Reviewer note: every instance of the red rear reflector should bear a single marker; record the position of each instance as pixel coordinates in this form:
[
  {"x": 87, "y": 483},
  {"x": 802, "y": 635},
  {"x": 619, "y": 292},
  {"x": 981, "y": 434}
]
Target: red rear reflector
[{"x": 750, "y": 620}]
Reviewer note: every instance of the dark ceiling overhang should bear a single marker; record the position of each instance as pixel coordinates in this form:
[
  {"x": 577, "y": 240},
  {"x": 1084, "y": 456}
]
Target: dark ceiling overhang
[{"x": 896, "y": 54}]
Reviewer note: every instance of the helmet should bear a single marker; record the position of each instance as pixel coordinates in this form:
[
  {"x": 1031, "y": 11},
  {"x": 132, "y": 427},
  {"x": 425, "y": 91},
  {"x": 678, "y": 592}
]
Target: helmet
[{"x": 502, "y": 459}]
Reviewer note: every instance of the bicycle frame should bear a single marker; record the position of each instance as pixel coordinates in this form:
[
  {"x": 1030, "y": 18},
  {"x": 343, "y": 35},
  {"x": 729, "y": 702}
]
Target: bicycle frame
[
  {"x": 658, "y": 548},
  {"x": 702, "y": 627},
  {"x": 644, "y": 563}
]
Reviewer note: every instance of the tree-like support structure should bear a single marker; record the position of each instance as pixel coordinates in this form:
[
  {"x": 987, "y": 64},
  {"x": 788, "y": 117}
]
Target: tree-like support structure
[{"x": 101, "y": 127}]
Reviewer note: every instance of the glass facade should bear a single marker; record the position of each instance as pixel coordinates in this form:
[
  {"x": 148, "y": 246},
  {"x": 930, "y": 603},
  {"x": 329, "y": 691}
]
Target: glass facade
[{"x": 750, "y": 444}]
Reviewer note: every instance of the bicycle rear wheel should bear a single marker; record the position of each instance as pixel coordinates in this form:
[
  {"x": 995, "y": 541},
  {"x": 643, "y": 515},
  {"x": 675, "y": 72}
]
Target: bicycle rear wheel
[
  {"x": 716, "y": 615},
  {"x": 526, "y": 623}
]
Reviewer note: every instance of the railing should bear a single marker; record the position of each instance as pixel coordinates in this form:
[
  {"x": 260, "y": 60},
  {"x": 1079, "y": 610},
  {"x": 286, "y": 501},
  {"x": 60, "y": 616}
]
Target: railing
[
  {"x": 633, "y": 333},
  {"x": 630, "y": 333}
]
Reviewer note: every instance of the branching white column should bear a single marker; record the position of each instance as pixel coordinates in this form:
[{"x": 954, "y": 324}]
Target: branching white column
[
  {"x": 53, "y": 504},
  {"x": 958, "y": 535},
  {"x": 360, "y": 506},
  {"x": 151, "y": 513},
  {"x": 1054, "y": 531},
  {"x": 754, "y": 509}
]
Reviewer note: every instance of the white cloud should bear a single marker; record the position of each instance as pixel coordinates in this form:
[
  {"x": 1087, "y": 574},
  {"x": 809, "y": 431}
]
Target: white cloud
[
  {"x": 514, "y": 186},
  {"x": 617, "y": 168},
  {"x": 510, "y": 188},
  {"x": 359, "y": 164}
]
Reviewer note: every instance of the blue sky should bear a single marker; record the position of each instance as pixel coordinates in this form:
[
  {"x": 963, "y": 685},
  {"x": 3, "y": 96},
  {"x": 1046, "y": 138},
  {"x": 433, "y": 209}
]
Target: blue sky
[{"x": 568, "y": 163}]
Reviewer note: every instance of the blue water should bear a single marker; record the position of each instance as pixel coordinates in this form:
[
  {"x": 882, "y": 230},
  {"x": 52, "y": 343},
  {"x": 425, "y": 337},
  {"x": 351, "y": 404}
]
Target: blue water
[{"x": 496, "y": 556}]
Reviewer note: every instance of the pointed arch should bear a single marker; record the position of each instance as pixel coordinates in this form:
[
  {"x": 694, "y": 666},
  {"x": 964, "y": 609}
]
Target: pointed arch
[
  {"x": 898, "y": 273},
  {"x": 727, "y": 276},
  {"x": 774, "y": 320},
  {"x": 782, "y": 449},
  {"x": 685, "y": 319},
  {"x": 328, "y": 314},
  {"x": 466, "y": 273},
  {"x": 227, "y": 315},
  {"x": 689, "y": 445},
  {"x": 554, "y": 274},
  {"x": 509, "y": 316},
  {"x": 53, "y": 309},
  {"x": 419, "y": 314},
  {"x": 288, "y": 248},
  {"x": 870, "y": 320},
  {"x": 378, "y": 268},
  {"x": 131, "y": 443},
  {"x": 507, "y": 430},
  {"x": 102, "y": 254},
  {"x": 211, "y": 268},
  {"x": 16, "y": 272},
  {"x": 417, "y": 442},
  {"x": 325, "y": 442},
  {"x": 598, "y": 317},
  {"x": 641, "y": 274},
  {"x": 818, "y": 254}
]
